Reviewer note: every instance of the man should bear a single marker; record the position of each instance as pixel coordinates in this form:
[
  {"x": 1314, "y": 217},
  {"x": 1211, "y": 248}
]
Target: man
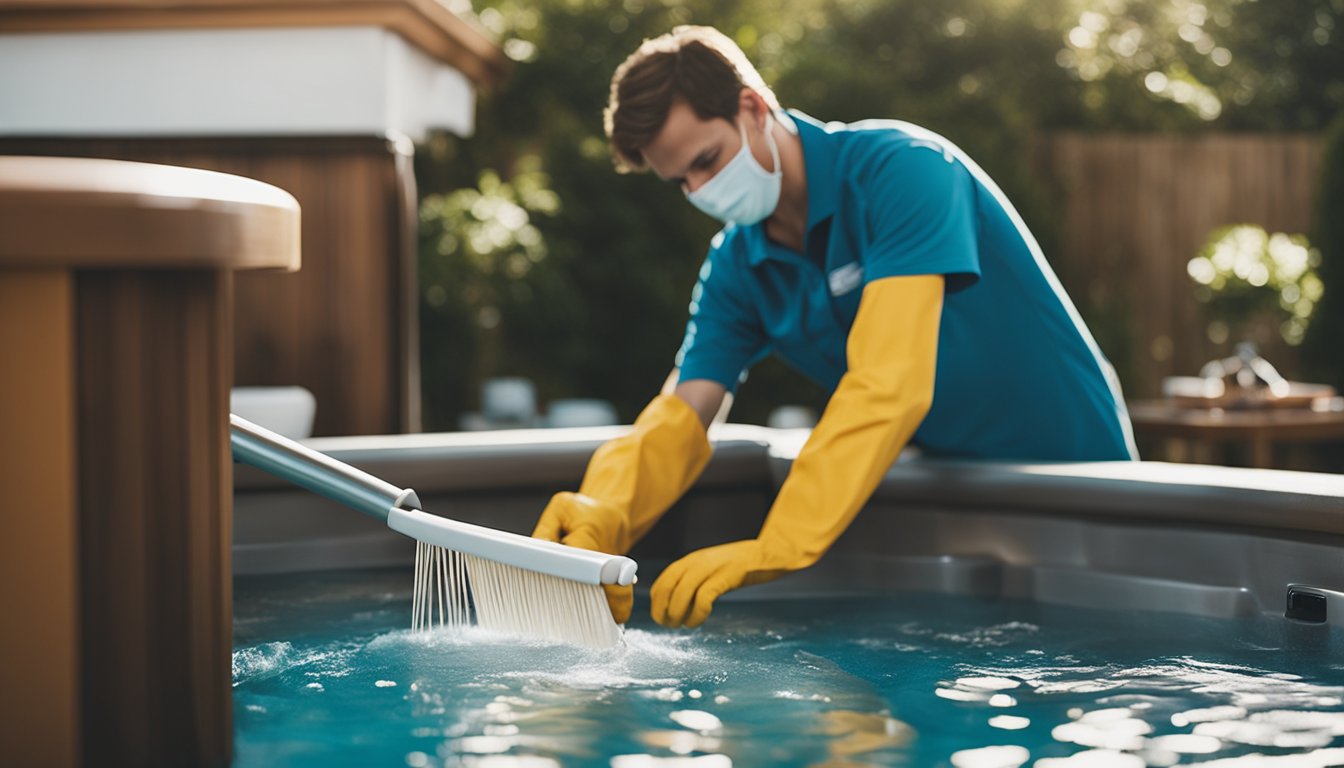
[{"x": 877, "y": 259}]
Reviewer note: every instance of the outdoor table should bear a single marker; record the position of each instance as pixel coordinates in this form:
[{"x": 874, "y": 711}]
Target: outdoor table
[{"x": 1260, "y": 429}]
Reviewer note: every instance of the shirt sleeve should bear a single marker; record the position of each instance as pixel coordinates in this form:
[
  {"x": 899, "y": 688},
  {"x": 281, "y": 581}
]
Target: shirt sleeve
[
  {"x": 724, "y": 336},
  {"x": 920, "y": 211}
]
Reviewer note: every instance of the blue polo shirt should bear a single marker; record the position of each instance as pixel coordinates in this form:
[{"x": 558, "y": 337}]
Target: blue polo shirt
[{"x": 1019, "y": 376}]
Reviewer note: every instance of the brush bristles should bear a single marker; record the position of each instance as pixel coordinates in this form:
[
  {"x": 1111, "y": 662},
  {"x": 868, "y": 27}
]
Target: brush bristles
[
  {"x": 440, "y": 582},
  {"x": 507, "y": 599}
]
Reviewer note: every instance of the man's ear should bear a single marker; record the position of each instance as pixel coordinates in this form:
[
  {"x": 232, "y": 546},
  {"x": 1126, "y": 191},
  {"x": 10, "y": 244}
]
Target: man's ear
[{"x": 753, "y": 104}]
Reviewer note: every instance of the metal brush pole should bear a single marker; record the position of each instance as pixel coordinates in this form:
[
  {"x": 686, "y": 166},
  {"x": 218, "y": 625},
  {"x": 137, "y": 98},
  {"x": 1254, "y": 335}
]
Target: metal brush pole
[{"x": 319, "y": 473}]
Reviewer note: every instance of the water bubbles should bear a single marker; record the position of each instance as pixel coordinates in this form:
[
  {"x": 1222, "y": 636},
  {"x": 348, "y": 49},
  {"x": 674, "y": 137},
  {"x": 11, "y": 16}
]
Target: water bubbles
[{"x": 259, "y": 660}]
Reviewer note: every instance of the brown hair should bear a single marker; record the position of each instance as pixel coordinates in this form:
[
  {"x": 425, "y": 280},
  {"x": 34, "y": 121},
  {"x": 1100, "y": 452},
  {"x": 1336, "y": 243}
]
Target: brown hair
[{"x": 700, "y": 65}]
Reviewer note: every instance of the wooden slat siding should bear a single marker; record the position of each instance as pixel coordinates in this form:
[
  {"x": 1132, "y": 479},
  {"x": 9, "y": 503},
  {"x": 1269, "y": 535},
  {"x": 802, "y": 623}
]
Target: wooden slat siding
[
  {"x": 338, "y": 325},
  {"x": 39, "y": 562},
  {"x": 155, "y": 503},
  {"x": 1133, "y": 209},
  {"x": 407, "y": 209}
]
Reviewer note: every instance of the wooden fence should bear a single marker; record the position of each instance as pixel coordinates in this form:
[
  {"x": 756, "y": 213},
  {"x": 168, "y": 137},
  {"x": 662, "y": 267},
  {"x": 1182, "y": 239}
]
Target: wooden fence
[{"x": 1132, "y": 210}]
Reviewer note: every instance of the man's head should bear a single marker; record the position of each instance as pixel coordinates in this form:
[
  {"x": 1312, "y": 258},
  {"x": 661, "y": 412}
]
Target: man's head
[{"x": 699, "y": 66}]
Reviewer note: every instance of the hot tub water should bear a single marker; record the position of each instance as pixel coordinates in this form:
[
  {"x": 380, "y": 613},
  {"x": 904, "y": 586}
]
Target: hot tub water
[{"x": 325, "y": 674}]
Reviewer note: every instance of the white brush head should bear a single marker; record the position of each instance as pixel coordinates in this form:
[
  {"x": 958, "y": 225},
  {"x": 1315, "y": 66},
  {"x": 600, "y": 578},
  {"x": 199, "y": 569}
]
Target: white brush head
[
  {"x": 451, "y": 589},
  {"x": 524, "y": 552}
]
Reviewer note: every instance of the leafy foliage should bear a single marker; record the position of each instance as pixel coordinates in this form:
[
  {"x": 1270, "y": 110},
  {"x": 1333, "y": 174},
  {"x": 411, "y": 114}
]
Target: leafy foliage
[
  {"x": 600, "y": 306},
  {"x": 1256, "y": 284}
]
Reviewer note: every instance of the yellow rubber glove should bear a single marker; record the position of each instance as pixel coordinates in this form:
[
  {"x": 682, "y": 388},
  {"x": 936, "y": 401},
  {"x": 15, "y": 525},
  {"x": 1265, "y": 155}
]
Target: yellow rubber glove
[
  {"x": 631, "y": 481},
  {"x": 892, "y": 354}
]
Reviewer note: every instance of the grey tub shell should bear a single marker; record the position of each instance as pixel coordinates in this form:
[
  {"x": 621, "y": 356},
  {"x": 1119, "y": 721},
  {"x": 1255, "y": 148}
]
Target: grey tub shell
[{"x": 1210, "y": 541}]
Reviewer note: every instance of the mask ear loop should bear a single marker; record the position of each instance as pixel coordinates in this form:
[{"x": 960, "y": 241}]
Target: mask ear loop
[
  {"x": 774, "y": 145},
  {"x": 769, "y": 139}
]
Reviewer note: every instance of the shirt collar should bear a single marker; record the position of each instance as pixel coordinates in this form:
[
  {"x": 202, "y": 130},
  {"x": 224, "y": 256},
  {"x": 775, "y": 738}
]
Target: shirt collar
[{"x": 819, "y": 165}]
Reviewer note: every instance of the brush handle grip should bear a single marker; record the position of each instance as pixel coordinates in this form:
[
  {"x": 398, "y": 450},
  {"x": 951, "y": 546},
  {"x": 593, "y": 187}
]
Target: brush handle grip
[{"x": 319, "y": 473}]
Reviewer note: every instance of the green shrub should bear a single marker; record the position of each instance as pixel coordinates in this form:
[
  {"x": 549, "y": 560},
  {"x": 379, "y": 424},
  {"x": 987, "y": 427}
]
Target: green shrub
[{"x": 1257, "y": 285}]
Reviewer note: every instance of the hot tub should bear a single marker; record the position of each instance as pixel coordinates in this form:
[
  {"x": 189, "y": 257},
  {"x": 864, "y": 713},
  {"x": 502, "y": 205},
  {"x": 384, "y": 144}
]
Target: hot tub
[{"x": 975, "y": 614}]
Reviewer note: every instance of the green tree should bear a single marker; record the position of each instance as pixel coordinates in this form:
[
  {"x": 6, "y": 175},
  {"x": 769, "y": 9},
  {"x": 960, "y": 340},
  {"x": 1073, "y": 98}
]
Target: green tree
[
  {"x": 601, "y": 307},
  {"x": 1192, "y": 64}
]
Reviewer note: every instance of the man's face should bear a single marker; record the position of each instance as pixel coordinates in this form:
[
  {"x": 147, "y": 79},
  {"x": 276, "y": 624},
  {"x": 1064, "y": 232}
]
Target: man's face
[{"x": 689, "y": 151}]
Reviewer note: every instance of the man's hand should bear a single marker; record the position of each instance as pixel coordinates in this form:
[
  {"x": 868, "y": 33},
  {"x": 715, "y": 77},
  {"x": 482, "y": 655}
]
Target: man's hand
[
  {"x": 685, "y": 592},
  {"x": 892, "y": 352},
  {"x": 587, "y": 523},
  {"x": 631, "y": 480}
]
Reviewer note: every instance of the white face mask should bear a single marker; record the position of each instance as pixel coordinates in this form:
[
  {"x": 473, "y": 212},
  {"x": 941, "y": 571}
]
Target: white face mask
[{"x": 742, "y": 192}]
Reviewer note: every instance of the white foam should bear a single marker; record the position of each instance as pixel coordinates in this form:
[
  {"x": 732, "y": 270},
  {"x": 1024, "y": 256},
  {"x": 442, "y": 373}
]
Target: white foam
[{"x": 259, "y": 660}]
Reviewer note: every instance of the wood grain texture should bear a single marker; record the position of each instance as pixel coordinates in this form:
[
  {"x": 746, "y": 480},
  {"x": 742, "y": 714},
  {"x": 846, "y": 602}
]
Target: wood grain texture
[
  {"x": 344, "y": 325},
  {"x": 1134, "y": 209},
  {"x": 60, "y": 211},
  {"x": 39, "y": 570},
  {"x": 155, "y": 515},
  {"x": 116, "y": 457}
]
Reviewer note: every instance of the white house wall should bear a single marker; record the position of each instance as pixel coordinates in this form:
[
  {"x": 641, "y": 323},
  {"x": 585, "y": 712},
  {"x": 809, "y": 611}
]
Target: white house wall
[{"x": 244, "y": 82}]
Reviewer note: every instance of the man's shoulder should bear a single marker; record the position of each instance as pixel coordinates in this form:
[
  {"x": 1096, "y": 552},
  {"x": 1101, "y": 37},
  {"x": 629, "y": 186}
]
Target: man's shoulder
[
  {"x": 892, "y": 159},
  {"x": 894, "y": 145},
  {"x": 730, "y": 246}
]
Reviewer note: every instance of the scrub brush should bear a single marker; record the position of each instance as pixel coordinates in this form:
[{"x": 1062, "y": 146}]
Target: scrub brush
[{"x": 508, "y": 582}]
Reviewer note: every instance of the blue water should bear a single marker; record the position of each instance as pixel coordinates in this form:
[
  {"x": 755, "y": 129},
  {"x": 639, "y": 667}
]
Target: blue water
[{"x": 325, "y": 674}]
